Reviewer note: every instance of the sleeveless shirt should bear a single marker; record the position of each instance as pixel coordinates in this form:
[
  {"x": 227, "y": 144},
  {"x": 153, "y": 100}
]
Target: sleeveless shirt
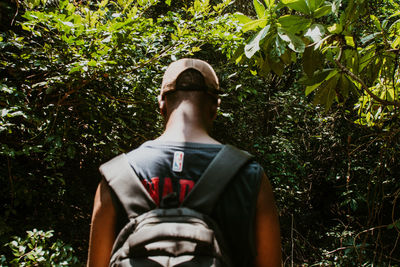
[{"x": 167, "y": 168}]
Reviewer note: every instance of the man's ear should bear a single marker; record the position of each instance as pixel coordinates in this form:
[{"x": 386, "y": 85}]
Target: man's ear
[
  {"x": 162, "y": 106},
  {"x": 215, "y": 108}
]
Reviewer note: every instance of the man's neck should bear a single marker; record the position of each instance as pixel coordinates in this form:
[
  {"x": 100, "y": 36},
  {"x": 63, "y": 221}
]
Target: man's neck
[{"x": 186, "y": 125}]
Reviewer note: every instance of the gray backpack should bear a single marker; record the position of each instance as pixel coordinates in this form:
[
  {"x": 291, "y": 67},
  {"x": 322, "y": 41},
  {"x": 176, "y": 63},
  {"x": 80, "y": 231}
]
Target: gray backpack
[{"x": 180, "y": 236}]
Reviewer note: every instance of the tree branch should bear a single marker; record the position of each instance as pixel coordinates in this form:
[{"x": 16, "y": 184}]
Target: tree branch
[{"x": 365, "y": 87}]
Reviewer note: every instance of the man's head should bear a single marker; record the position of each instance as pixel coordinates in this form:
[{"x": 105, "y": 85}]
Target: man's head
[
  {"x": 209, "y": 84},
  {"x": 191, "y": 81}
]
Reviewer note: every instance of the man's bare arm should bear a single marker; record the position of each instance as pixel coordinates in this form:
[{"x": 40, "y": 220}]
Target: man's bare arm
[
  {"x": 102, "y": 230},
  {"x": 268, "y": 239}
]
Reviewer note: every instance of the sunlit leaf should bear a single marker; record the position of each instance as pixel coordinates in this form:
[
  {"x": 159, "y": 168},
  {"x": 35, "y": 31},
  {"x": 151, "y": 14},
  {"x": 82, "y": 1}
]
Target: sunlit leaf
[
  {"x": 350, "y": 41},
  {"x": 269, "y": 3},
  {"x": 315, "y": 33},
  {"x": 322, "y": 11},
  {"x": 242, "y": 18},
  {"x": 370, "y": 37},
  {"x": 335, "y": 28},
  {"x": 254, "y": 24},
  {"x": 295, "y": 42},
  {"x": 314, "y": 4},
  {"x": 376, "y": 22},
  {"x": 254, "y": 45},
  {"x": 260, "y": 9}
]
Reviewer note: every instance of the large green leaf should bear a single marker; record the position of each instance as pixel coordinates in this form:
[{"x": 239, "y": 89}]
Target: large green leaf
[
  {"x": 276, "y": 66},
  {"x": 298, "y": 5},
  {"x": 327, "y": 92},
  {"x": 242, "y": 18},
  {"x": 263, "y": 65},
  {"x": 294, "y": 23},
  {"x": 322, "y": 11},
  {"x": 314, "y": 4},
  {"x": 344, "y": 86},
  {"x": 254, "y": 45},
  {"x": 294, "y": 42},
  {"x": 366, "y": 59},
  {"x": 279, "y": 47},
  {"x": 318, "y": 78},
  {"x": 254, "y": 24},
  {"x": 312, "y": 60},
  {"x": 260, "y": 9}
]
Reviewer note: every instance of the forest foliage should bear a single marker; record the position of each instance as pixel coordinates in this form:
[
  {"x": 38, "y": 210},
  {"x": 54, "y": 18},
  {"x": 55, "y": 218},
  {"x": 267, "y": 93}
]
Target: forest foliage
[{"x": 312, "y": 89}]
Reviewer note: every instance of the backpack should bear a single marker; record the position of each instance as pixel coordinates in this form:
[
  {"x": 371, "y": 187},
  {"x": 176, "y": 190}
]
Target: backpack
[{"x": 172, "y": 236}]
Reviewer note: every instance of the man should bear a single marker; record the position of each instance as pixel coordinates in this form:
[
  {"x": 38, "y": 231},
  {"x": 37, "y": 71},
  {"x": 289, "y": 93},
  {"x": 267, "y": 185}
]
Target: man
[{"x": 172, "y": 164}]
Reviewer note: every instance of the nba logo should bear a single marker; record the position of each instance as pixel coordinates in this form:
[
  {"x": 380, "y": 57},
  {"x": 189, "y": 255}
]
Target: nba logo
[{"x": 177, "y": 165}]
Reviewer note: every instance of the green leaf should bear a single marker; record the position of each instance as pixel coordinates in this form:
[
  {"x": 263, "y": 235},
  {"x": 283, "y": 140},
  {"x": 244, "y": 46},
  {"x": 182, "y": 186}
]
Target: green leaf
[
  {"x": 396, "y": 42},
  {"x": 70, "y": 7},
  {"x": 314, "y": 4},
  {"x": 277, "y": 67},
  {"x": 242, "y": 18},
  {"x": 394, "y": 25},
  {"x": 376, "y": 22},
  {"x": 254, "y": 45},
  {"x": 260, "y": 9},
  {"x": 294, "y": 23},
  {"x": 335, "y": 28},
  {"x": 315, "y": 33},
  {"x": 336, "y": 7},
  {"x": 370, "y": 37},
  {"x": 295, "y": 42},
  {"x": 279, "y": 48},
  {"x": 103, "y": 3},
  {"x": 75, "y": 69},
  {"x": 238, "y": 54},
  {"x": 287, "y": 57},
  {"x": 318, "y": 78},
  {"x": 350, "y": 41},
  {"x": 254, "y": 24},
  {"x": 311, "y": 88},
  {"x": 263, "y": 66},
  {"x": 92, "y": 63},
  {"x": 312, "y": 60},
  {"x": 269, "y": 3},
  {"x": 326, "y": 93},
  {"x": 344, "y": 86},
  {"x": 322, "y": 11},
  {"x": 395, "y": 14},
  {"x": 298, "y": 5}
]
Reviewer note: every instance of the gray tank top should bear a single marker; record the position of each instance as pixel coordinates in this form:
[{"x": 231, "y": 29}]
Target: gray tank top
[{"x": 172, "y": 168}]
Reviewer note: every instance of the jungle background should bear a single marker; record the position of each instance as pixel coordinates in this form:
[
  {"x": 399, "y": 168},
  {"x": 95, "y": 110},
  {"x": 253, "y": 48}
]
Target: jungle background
[{"x": 311, "y": 89}]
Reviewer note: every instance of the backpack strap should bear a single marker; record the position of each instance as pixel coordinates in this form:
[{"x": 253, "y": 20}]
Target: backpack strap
[
  {"x": 127, "y": 186},
  {"x": 217, "y": 175}
]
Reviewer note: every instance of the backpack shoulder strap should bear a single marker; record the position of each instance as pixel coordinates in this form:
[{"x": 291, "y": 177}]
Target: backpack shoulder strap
[
  {"x": 127, "y": 186},
  {"x": 217, "y": 175}
]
